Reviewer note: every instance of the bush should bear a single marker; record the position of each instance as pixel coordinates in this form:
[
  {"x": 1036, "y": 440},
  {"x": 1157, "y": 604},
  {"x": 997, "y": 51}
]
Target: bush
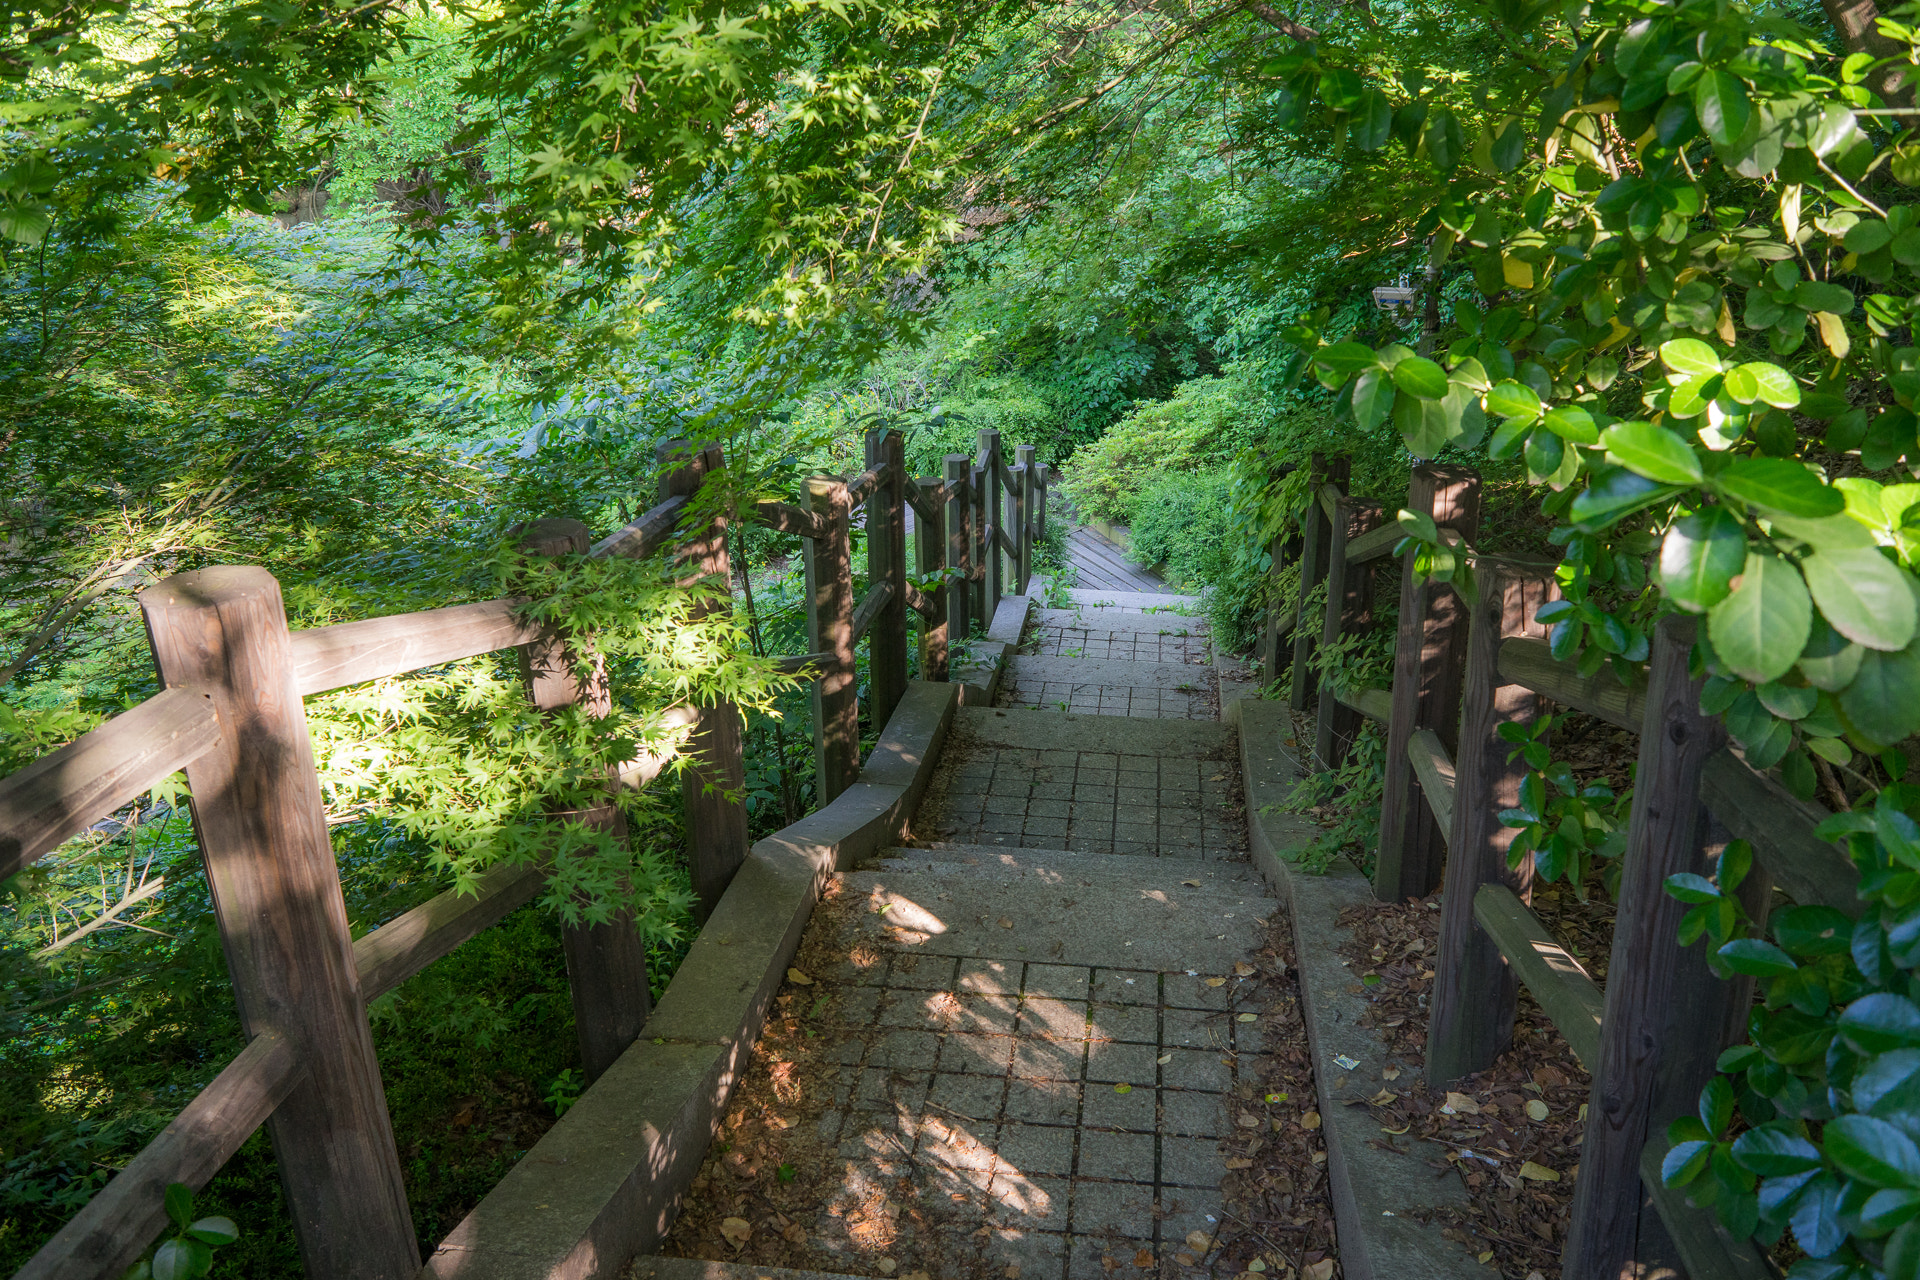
[{"x": 1204, "y": 419}]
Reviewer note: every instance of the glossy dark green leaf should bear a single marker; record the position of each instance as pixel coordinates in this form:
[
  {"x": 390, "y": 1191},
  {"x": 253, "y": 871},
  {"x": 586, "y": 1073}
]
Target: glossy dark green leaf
[
  {"x": 1372, "y": 121},
  {"x": 1419, "y": 376},
  {"x": 1613, "y": 492},
  {"x": 1720, "y": 101},
  {"x": 1373, "y": 393},
  {"x": 1883, "y": 700},
  {"x": 1889, "y": 1083},
  {"x": 1812, "y": 930},
  {"x": 1772, "y": 1152},
  {"x": 1652, "y": 451},
  {"x": 1760, "y": 630},
  {"x": 1700, "y": 556},
  {"x": 1872, "y": 1151},
  {"x": 1863, "y": 594},
  {"x": 1782, "y": 485},
  {"x": 1757, "y": 957},
  {"x": 1880, "y": 1022}
]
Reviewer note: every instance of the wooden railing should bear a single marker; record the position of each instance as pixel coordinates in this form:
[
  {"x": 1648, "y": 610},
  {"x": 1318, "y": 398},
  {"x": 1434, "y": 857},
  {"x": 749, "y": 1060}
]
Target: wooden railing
[
  {"x": 231, "y": 715},
  {"x": 1464, "y": 667}
]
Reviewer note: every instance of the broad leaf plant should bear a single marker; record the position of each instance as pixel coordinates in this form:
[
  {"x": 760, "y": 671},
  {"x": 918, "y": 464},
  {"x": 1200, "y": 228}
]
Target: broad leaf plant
[{"x": 1681, "y": 261}]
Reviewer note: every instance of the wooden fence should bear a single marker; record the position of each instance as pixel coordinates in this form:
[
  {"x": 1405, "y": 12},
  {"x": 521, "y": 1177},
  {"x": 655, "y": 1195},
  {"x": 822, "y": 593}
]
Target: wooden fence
[
  {"x": 231, "y": 715},
  {"x": 1463, "y": 667}
]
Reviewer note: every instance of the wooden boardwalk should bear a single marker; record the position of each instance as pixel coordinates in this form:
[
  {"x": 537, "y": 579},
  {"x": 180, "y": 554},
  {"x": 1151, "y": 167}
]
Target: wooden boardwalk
[{"x": 1104, "y": 567}]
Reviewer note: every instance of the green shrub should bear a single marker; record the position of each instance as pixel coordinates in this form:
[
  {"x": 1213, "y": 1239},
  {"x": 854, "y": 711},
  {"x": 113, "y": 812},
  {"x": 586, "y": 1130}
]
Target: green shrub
[{"x": 1205, "y": 420}]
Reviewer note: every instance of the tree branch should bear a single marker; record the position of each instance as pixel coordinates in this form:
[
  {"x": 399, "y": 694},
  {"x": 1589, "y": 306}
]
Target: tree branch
[{"x": 1282, "y": 23}]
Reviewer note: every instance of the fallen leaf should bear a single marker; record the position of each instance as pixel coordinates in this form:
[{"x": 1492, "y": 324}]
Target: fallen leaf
[
  {"x": 1242, "y": 969},
  {"x": 1191, "y": 884},
  {"x": 1383, "y": 1097},
  {"x": 1239, "y": 1162},
  {"x": 1123, "y": 1088},
  {"x": 1186, "y": 1259},
  {"x": 1256, "y": 1265},
  {"x": 1486, "y": 1257},
  {"x": 736, "y": 1231},
  {"x": 1005, "y": 923},
  {"x": 1390, "y": 1073},
  {"x": 1248, "y": 1120},
  {"x": 916, "y": 1275},
  {"x": 1311, "y": 1120},
  {"x": 795, "y": 1233},
  {"x": 1143, "y": 1258},
  {"x": 1012, "y": 1272},
  {"x": 798, "y": 978},
  {"x": 1459, "y": 1104},
  {"x": 1538, "y": 1172},
  {"x": 1402, "y": 1129},
  {"x": 1164, "y": 1059},
  {"x": 1215, "y": 982},
  {"x": 1199, "y": 1241},
  {"x": 1321, "y": 1270},
  {"x": 886, "y": 1266},
  {"x": 1249, "y": 1017},
  {"x": 1536, "y": 1109}
]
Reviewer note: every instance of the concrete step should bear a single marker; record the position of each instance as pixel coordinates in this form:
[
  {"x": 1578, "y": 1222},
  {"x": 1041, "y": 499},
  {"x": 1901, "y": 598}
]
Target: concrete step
[
  {"x": 1092, "y": 618},
  {"x": 1110, "y": 671},
  {"x": 945, "y": 858},
  {"x": 656, "y": 1268},
  {"x": 1137, "y": 600},
  {"x": 1021, "y": 728},
  {"x": 1149, "y": 921}
]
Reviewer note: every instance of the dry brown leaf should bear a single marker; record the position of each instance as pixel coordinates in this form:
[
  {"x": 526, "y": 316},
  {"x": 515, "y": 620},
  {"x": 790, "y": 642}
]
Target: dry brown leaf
[
  {"x": 1249, "y": 1017},
  {"x": 1239, "y": 1162},
  {"x": 1248, "y": 1120},
  {"x": 1460, "y": 1104},
  {"x": 1199, "y": 1241},
  {"x": 1143, "y": 1258},
  {"x": 1005, "y": 923},
  {"x": 1216, "y": 982},
  {"x": 1538, "y": 1172},
  {"x": 886, "y": 1266},
  {"x": 1321, "y": 1270},
  {"x": 1191, "y": 884},
  {"x": 1243, "y": 969},
  {"x": 1012, "y": 1272},
  {"x": 1390, "y": 1073},
  {"x": 795, "y": 1233},
  {"x": 1311, "y": 1120},
  {"x": 736, "y": 1231}
]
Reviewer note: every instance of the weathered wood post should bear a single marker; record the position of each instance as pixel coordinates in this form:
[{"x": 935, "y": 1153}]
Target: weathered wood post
[
  {"x": 980, "y": 543},
  {"x": 836, "y": 708},
  {"x": 993, "y": 532},
  {"x": 1473, "y": 992},
  {"x": 606, "y": 963},
  {"x": 930, "y": 555},
  {"x": 262, "y": 828},
  {"x": 887, "y": 564},
  {"x": 1349, "y": 610},
  {"x": 958, "y": 522},
  {"x": 713, "y": 791},
  {"x": 1428, "y": 661},
  {"x": 1666, "y": 1015},
  {"x": 1279, "y": 623},
  {"x": 1317, "y": 533},
  {"x": 1021, "y": 502}
]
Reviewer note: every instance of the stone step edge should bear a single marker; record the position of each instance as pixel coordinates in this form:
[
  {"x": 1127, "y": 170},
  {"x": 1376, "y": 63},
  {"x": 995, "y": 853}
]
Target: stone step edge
[
  {"x": 653, "y": 1267},
  {"x": 988, "y": 857}
]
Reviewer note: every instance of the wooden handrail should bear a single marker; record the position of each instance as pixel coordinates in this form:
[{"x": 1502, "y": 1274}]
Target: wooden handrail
[
  {"x": 1374, "y": 704},
  {"x": 116, "y": 1226},
  {"x": 410, "y": 942},
  {"x": 795, "y": 663},
  {"x": 1708, "y": 1250},
  {"x": 1329, "y": 496},
  {"x": 1562, "y": 987},
  {"x": 784, "y": 518},
  {"x": 1434, "y": 768},
  {"x": 352, "y": 653},
  {"x": 63, "y": 793},
  {"x": 870, "y": 606},
  {"x": 1374, "y": 545},
  {"x": 862, "y": 488},
  {"x": 1530, "y": 663},
  {"x": 644, "y": 536},
  {"x": 920, "y": 602},
  {"x": 1756, "y": 809}
]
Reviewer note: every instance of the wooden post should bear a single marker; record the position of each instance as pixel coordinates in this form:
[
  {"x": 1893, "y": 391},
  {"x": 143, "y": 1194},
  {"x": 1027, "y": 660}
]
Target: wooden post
[
  {"x": 887, "y": 563},
  {"x": 930, "y": 555},
  {"x": 1317, "y": 533},
  {"x": 979, "y": 544},
  {"x": 1473, "y": 992},
  {"x": 713, "y": 791},
  {"x": 1666, "y": 1017},
  {"x": 959, "y": 522},
  {"x": 1273, "y": 636},
  {"x": 1429, "y": 657},
  {"x": 1349, "y": 610},
  {"x": 1022, "y": 502},
  {"x": 262, "y": 829},
  {"x": 606, "y": 963},
  {"x": 836, "y": 706},
  {"x": 990, "y": 505}
]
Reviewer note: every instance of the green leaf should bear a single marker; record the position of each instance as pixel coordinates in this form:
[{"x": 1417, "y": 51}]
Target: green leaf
[
  {"x": 1613, "y": 492},
  {"x": 1867, "y": 237},
  {"x": 1812, "y": 931},
  {"x": 1830, "y": 660},
  {"x": 1372, "y": 121},
  {"x": 179, "y": 1203},
  {"x": 214, "y": 1231},
  {"x": 1789, "y": 702},
  {"x": 1654, "y": 452},
  {"x": 1372, "y": 398},
  {"x": 1700, "y": 557},
  {"x": 1445, "y": 141},
  {"x": 174, "y": 1260},
  {"x": 1757, "y": 957},
  {"x": 1573, "y": 424},
  {"x": 1513, "y": 400},
  {"x": 1882, "y": 702},
  {"x": 1872, "y": 1151},
  {"x": 1720, "y": 102},
  {"x": 1772, "y": 1152},
  {"x": 1772, "y": 385},
  {"x": 1888, "y": 1083},
  {"x": 1864, "y": 595},
  {"x": 1685, "y": 1162},
  {"x": 1509, "y": 147},
  {"x": 1881, "y": 1022},
  {"x": 1818, "y": 295},
  {"x": 1419, "y": 376},
  {"x": 1346, "y": 357},
  {"x": 1760, "y": 630},
  {"x": 1689, "y": 356},
  {"x": 1418, "y": 524},
  {"x": 1782, "y": 485}
]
